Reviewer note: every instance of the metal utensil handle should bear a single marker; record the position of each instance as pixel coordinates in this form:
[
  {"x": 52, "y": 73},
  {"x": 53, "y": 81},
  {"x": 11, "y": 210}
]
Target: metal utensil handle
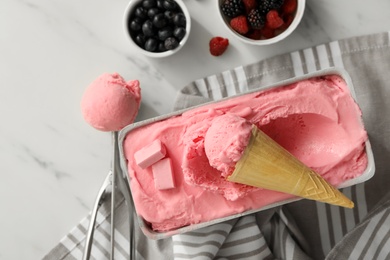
[
  {"x": 123, "y": 186},
  {"x": 115, "y": 172},
  {"x": 98, "y": 202}
]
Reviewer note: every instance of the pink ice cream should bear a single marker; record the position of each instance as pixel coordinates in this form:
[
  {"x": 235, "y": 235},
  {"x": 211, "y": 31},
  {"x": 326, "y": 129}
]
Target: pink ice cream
[
  {"x": 225, "y": 142},
  {"x": 317, "y": 120},
  {"x": 110, "y": 103}
]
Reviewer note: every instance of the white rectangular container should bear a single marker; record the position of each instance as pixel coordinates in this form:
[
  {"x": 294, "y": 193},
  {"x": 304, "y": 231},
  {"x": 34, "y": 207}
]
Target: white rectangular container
[{"x": 367, "y": 174}]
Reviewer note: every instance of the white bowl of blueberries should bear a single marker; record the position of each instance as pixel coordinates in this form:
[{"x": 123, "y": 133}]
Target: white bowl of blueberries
[{"x": 157, "y": 28}]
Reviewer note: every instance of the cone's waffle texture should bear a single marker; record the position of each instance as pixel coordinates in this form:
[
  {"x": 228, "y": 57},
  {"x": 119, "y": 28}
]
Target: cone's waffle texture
[{"x": 267, "y": 165}]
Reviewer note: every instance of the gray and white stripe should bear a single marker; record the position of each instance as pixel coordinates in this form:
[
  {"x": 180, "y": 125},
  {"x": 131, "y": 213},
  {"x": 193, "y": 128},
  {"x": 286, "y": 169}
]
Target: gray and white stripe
[
  {"x": 245, "y": 241},
  {"x": 228, "y": 84},
  {"x": 237, "y": 239},
  {"x": 372, "y": 238},
  {"x": 368, "y": 240},
  {"x": 72, "y": 245},
  {"x": 201, "y": 244}
]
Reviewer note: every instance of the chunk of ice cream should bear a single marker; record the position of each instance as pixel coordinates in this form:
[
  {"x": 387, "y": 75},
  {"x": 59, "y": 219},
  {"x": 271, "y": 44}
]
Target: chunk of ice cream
[
  {"x": 225, "y": 142},
  {"x": 150, "y": 154},
  {"x": 316, "y": 120},
  {"x": 163, "y": 175},
  {"x": 110, "y": 103}
]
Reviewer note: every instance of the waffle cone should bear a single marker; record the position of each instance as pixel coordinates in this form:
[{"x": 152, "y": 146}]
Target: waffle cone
[{"x": 267, "y": 165}]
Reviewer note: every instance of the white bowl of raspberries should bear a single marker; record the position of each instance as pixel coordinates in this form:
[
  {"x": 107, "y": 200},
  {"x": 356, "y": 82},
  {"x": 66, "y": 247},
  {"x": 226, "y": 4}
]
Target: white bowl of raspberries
[
  {"x": 261, "y": 22},
  {"x": 157, "y": 28}
]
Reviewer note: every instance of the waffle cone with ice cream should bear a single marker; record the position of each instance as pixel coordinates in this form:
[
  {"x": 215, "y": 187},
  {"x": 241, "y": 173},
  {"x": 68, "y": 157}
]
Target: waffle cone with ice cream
[{"x": 264, "y": 163}]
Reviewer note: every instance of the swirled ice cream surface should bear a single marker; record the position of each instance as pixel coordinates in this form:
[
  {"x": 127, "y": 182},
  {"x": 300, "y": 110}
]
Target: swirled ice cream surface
[{"x": 316, "y": 120}]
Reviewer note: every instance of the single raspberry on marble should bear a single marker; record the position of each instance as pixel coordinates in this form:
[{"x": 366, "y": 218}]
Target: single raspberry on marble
[{"x": 218, "y": 45}]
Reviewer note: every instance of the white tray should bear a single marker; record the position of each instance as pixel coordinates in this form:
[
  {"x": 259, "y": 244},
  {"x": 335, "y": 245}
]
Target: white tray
[{"x": 366, "y": 175}]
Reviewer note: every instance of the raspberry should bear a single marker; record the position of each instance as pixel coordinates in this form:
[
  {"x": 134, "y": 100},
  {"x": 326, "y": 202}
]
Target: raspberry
[
  {"x": 288, "y": 18},
  {"x": 273, "y": 19},
  {"x": 218, "y": 45},
  {"x": 240, "y": 24},
  {"x": 289, "y": 6},
  {"x": 255, "y": 35},
  {"x": 249, "y": 5},
  {"x": 232, "y": 8},
  {"x": 267, "y": 32}
]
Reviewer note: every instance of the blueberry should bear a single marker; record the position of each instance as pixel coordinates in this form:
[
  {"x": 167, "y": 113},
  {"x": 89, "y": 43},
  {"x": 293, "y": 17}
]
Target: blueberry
[
  {"x": 140, "y": 40},
  {"x": 171, "y": 43},
  {"x": 160, "y": 4},
  {"x": 169, "y": 16},
  {"x": 136, "y": 24},
  {"x": 165, "y": 33},
  {"x": 151, "y": 44},
  {"x": 159, "y": 21},
  {"x": 140, "y": 12},
  {"x": 170, "y": 4},
  {"x": 161, "y": 47},
  {"x": 152, "y": 12},
  {"x": 179, "y": 19},
  {"x": 179, "y": 33},
  {"x": 147, "y": 28},
  {"x": 149, "y": 3}
]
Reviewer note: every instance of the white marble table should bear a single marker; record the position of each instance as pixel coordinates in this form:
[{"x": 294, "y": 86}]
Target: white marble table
[{"x": 52, "y": 163}]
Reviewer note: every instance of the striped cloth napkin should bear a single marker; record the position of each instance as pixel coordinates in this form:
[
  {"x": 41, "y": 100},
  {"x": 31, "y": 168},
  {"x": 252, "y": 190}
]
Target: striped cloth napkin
[{"x": 299, "y": 230}]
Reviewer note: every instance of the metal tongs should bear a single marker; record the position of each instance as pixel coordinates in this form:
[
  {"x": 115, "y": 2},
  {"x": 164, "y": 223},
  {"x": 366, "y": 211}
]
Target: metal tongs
[{"x": 114, "y": 180}]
